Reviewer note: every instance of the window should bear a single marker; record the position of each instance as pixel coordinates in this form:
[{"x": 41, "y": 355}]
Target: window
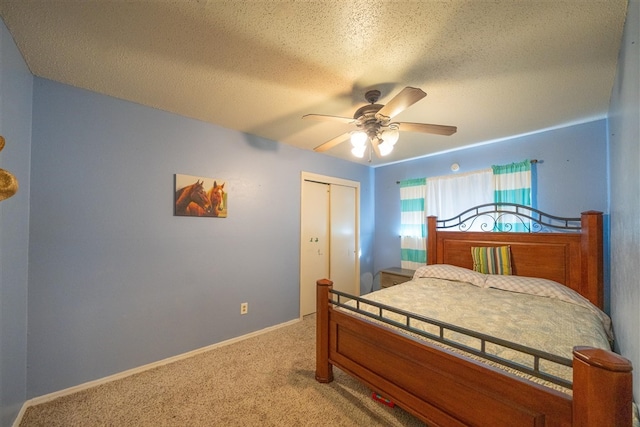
[{"x": 449, "y": 195}]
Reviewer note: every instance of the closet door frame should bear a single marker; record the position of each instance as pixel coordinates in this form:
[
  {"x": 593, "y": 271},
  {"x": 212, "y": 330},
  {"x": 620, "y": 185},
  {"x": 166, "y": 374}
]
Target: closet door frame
[{"x": 308, "y": 176}]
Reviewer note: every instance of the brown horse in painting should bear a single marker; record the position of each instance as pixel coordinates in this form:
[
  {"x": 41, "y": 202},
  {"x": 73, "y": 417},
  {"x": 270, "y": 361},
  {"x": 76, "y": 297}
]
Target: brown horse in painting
[
  {"x": 216, "y": 196},
  {"x": 193, "y": 200}
]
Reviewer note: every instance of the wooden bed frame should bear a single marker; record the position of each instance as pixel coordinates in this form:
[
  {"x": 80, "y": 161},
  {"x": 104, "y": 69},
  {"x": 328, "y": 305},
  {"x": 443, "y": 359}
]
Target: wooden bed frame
[{"x": 444, "y": 388}]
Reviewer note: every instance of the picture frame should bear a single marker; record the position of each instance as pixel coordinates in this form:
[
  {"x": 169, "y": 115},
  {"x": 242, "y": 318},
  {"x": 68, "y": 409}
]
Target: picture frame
[{"x": 199, "y": 196}]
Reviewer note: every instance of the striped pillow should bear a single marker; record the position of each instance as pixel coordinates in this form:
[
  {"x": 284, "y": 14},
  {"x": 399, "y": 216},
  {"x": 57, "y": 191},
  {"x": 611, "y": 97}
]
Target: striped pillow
[{"x": 492, "y": 259}]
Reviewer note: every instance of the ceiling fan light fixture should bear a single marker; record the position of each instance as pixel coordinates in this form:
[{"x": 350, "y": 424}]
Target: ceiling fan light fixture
[
  {"x": 391, "y": 135},
  {"x": 359, "y": 151},
  {"x": 385, "y": 148},
  {"x": 359, "y": 139}
]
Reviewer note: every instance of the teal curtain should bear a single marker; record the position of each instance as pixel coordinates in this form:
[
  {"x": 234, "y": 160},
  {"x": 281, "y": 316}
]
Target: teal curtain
[
  {"x": 512, "y": 184},
  {"x": 413, "y": 227}
]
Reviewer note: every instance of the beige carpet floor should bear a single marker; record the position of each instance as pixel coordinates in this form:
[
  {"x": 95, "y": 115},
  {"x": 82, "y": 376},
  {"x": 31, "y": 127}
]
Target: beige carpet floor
[{"x": 266, "y": 380}]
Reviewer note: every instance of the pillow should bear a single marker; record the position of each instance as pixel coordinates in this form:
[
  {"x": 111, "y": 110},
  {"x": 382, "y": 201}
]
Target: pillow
[
  {"x": 549, "y": 289},
  {"x": 451, "y": 272},
  {"x": 492, "y": 259}
]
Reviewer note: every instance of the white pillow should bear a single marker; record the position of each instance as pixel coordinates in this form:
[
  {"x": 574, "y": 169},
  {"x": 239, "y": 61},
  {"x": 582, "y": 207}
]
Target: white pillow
[
  {"x": 546, "y": 288},
  {"x": 451, "y": 272}
]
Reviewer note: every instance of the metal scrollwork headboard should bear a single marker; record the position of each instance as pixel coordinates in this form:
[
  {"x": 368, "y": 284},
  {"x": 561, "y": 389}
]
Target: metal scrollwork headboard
[{"x": 508, "y": 217}]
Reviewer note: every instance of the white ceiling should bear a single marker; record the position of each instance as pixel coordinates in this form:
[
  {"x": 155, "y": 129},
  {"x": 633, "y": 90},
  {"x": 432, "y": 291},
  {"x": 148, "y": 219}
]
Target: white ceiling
[{"x": 495, "y": 69}]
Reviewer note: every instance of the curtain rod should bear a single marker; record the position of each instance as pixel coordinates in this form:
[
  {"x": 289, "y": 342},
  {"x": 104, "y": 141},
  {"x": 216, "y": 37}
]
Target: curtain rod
[{"x": 533, "y": 161}]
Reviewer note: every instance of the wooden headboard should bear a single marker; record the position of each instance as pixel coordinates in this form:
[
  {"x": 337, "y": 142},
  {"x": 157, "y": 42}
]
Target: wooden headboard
[{"x": 566, "y": 250}]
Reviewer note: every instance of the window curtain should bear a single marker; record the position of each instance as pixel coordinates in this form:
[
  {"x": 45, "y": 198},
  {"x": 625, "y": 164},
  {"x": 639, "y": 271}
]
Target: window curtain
[
  {"x": 413, "y": 227},
  {"x": 449, "y": 195},
  {"x": 512, "y": 184}
]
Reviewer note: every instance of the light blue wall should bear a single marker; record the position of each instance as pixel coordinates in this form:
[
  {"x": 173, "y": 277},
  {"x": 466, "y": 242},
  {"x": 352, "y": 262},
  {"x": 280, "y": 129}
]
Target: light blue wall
[
  {"x": 115, "y": 280},
  {"x": 15, "y": 125},
  {"x": 624, "y": 140},
  {"x": 571, "y": 178}
]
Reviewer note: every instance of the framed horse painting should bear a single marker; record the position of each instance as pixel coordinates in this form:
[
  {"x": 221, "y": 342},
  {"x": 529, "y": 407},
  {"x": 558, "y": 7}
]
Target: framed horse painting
[{"x": 199, "y": 196}]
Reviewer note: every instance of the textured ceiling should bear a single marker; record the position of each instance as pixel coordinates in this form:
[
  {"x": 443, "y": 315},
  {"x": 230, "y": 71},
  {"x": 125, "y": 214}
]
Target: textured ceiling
[{"x": 494, "y": 69}]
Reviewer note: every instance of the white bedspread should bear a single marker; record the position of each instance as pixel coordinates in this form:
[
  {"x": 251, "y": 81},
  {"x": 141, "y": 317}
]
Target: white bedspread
[{"x": 548, "y": 324}]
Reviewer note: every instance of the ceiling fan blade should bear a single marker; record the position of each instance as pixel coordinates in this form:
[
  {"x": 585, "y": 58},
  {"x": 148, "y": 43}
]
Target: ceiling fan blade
[
  {"x": 332, "y": 142},
  {"x": 405, "y": 99},
  {"x": 326, "y": 118},
  {"x": 427, "y": 128}
]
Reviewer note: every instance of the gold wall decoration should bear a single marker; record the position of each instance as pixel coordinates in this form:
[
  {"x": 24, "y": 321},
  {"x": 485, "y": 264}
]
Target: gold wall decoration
[{"x": 8, "y": 182}]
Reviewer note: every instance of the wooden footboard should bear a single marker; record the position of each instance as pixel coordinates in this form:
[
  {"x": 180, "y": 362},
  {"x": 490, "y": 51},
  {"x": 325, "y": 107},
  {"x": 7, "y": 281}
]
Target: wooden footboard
[{"x": 443, "y": 388}]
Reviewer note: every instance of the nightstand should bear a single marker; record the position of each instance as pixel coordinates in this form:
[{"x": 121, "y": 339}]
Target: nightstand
[{"x": 394, "y": 276}]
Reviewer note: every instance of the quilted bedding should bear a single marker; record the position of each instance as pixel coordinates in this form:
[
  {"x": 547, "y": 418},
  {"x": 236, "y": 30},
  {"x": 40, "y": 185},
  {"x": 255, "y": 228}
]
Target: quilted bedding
[{"x": 548, "y": 320}]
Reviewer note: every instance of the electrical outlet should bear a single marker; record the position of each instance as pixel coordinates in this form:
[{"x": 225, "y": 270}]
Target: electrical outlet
[{"x": 244, "y": 308}]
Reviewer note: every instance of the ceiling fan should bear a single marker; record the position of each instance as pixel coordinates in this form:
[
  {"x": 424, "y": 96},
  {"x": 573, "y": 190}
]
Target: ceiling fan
[{"x": 373, "y": 122}]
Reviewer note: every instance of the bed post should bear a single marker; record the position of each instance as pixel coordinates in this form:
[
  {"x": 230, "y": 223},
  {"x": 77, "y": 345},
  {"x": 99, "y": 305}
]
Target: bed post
[
  {"x": 602, "y": 388},
  {"x": 592, "y": 257},
  {"x": 324, "y": 369},
  {"x": 431, "y": 240}
]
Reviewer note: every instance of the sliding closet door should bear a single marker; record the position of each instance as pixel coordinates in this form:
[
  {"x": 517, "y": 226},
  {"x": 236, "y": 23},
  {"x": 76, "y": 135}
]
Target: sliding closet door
[
  {"x": 342, "y": 220},
  {"x": 314, "y": 245},
  {"x": 329, "y": 237}
]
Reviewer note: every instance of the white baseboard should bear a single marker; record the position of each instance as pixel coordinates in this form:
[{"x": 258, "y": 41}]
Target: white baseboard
[
  {"x": 18, "y": 420},
  {"x": 67, "y": 391}
]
